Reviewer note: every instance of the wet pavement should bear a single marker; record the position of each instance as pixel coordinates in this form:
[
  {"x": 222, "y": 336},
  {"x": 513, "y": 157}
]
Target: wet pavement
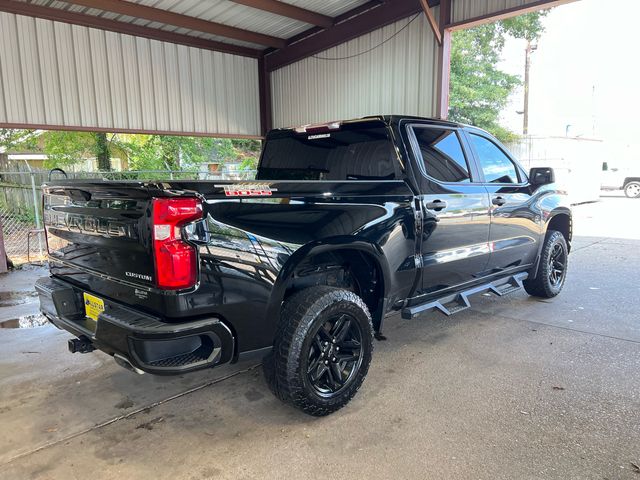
[
  {"x": 18, "y": 300},
  {"x": 514, "y": 388}
]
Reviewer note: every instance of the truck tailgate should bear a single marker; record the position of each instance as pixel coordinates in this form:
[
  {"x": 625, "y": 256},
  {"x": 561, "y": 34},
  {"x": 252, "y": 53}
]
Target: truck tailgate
[{"x": 101, "y": 228}]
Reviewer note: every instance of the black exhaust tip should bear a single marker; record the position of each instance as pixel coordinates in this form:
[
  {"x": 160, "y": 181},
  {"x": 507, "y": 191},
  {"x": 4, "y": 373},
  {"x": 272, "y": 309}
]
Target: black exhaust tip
[{"x": 81, "y": 345}]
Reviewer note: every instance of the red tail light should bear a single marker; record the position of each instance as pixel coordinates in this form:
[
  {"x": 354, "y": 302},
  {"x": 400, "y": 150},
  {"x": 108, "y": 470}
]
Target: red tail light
[{"x": 175, "y": 259}]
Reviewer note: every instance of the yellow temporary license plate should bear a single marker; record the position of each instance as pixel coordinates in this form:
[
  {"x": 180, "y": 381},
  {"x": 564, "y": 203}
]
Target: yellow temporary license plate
[{"x": 93, "y": 306}]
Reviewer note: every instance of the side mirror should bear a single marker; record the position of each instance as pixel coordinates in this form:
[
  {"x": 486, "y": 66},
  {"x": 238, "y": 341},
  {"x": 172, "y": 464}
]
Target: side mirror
[{"x": 541, "y": 176}]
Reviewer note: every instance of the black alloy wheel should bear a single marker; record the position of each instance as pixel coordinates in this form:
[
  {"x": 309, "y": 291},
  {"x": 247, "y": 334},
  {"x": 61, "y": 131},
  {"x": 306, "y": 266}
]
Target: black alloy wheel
[
  {"x": 557, "y": 265},
  {"x": 335, "y": 355},
  {"x": 548, "y": 280}
]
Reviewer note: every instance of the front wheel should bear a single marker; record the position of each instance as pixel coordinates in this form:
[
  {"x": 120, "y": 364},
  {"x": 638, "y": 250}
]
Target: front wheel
[
  {"x": 552, "y": 269},
  {"x": 632, "y": 189},
  {"x": 322, "y": 350}
]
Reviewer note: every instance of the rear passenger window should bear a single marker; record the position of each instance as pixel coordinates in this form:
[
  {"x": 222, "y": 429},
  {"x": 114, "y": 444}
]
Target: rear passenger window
[
  {"x": 442, "y": 154},
  {"x": 497, "y": 167}
]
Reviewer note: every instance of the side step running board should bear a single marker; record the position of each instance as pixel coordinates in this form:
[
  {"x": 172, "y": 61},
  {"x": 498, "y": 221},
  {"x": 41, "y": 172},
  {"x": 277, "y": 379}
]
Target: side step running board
[{"x": 456, "y": 302}]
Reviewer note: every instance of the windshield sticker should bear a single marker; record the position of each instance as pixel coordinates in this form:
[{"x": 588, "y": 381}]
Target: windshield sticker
[{"x": 315, "y": 137}]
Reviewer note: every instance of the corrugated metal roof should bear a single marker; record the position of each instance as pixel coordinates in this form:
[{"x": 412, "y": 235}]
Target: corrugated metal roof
[
  {"x": 466, "y": 9},
  {"x": 225, "y": 12}
]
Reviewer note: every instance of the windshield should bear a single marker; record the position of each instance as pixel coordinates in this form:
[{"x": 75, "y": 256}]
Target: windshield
[{"x": 355, "y": 152}]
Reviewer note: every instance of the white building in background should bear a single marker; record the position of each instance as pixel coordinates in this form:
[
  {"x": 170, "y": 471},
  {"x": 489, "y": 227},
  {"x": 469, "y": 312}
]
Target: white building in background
[
  {"x": 17, "y": 161},
  {"x": 577, "y": 162}
]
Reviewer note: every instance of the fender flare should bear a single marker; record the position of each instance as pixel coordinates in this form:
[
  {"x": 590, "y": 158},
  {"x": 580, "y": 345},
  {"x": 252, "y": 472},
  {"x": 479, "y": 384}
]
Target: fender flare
[
  {"x": 628, "y": 180},
  {"x": 560, "y": 210},
  {"x": 554, "y": 213},
  {"x": 315, "y": 248}
]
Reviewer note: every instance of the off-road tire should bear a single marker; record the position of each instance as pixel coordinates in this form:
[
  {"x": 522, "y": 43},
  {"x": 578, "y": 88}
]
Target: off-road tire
[
  {"x": 285, "y": 368},
  {"x": 542, "y": 285}
]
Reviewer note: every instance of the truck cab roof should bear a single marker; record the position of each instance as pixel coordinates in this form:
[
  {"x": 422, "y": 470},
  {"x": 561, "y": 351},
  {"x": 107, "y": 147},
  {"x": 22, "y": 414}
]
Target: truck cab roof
[{"x": 387, "y": 119}]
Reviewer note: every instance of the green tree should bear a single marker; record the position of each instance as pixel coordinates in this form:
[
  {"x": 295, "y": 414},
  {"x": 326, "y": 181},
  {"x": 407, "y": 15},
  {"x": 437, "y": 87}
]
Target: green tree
[
  {"x": 479, "y": 90},
  {"x": 248, "y": 152},
  {"x": 528, "y": 26},
  {"x": 144, "y": 152},
  {"x": 67, "y": 148},
  {"x": 167, "y": 152},
  {"x": 103, "y": 154},
  {"x": 15, "y": 139}
]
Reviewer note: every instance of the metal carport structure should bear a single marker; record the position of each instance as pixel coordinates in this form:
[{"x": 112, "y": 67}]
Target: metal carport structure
[{"x": 228, "y": 68}]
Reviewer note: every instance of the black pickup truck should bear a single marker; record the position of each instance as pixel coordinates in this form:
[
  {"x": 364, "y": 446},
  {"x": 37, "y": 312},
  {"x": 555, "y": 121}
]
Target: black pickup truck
[{"x": 345, "y": 224}]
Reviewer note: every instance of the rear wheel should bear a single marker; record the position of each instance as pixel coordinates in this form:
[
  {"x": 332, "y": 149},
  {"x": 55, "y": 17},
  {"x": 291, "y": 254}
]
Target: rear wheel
[
  {"x": 632, "y": 189},
  {"x": 322, "y": 350},
  {"x": 552, "y": 269}
]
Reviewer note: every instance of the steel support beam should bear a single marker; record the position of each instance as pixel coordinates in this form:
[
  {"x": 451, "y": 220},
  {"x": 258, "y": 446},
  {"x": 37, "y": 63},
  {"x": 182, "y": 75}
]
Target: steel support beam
[
  {"x": 432, "y": 20},
  {"x": 339, "y": 19},
  {"x": 58, "y": 15},
  {"x": 289, "y": 11},
  {"x": 506, "y": 13},
  {"x": 266, "y": 108},
  {"x": 84, "y": 128},
  {"x": 447, "y": 27},
  {"x": 137, "y": 10},
  {"x": 380, "y": 16},
  {"x": 444, "y": 61}
]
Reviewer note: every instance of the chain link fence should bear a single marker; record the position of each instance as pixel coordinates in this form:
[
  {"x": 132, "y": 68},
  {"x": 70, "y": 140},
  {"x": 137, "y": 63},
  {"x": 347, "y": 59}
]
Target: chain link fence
[
  {"x": 23, "y": 239},
  {"x": 21, "y": 203},
  {"x": 150, "y": 175},
  {"x": 20, "y": 217}
]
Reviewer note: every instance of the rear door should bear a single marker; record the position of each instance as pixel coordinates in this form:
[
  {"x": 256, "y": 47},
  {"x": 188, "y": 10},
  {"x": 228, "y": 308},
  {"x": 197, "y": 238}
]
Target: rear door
[
  {"x": 455, "y": 209},
  {"x": 515, "y": 225}
]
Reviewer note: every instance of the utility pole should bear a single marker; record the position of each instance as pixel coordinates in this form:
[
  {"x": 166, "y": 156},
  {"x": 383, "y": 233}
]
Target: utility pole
[
  {"x": 3, "y": 252},
  {"x": 593, "y": 111},
  {"x": 527, "y": 65}
]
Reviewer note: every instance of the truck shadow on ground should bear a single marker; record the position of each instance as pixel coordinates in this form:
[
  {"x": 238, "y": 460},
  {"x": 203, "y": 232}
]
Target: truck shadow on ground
[
  {"x": 43, "y": 411},
  {"x": 66, "y": 394}
]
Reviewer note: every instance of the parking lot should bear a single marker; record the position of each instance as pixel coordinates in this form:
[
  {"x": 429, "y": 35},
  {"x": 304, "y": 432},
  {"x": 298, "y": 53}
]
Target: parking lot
[{"x": 513, "y": 388}]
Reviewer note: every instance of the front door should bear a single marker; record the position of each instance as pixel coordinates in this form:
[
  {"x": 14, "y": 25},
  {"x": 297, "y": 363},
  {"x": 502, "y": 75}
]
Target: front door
[
  {"x": 516, "y": 225},
  {"x": 455, "y": 210},
  {"x": 612, "y": 177}
]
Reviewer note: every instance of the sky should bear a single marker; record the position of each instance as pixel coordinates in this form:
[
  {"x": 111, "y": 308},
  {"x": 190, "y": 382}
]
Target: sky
[{"x": 585, "y": 74}]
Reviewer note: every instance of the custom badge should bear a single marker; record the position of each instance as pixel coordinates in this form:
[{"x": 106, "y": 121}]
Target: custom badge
[{"x": 248, "y": 190}]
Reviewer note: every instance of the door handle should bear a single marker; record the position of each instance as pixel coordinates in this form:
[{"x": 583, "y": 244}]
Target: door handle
[
  {"x": 499, "y": 201},
  {"x": 436, "y": 205}
]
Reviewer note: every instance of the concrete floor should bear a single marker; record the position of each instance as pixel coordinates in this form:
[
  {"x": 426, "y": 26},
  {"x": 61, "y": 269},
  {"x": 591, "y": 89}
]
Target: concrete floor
[{"x": 515, "y": 388}]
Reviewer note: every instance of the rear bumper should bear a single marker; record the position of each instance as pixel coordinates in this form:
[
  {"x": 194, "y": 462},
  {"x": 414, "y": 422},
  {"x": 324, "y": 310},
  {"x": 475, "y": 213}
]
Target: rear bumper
[{"x": 144, "y": 341}]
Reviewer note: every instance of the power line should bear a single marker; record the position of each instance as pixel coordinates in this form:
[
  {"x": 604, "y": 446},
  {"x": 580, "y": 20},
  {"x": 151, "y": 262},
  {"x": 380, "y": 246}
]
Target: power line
[{"x": 372, "y": 48}]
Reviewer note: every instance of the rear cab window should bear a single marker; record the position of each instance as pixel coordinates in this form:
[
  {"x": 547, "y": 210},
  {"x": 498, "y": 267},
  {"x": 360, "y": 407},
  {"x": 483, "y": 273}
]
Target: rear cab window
[{"x": 354, "y": 151}]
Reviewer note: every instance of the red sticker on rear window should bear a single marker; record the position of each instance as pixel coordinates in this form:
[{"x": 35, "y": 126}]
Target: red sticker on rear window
[{"x": 248, "y": 190}]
